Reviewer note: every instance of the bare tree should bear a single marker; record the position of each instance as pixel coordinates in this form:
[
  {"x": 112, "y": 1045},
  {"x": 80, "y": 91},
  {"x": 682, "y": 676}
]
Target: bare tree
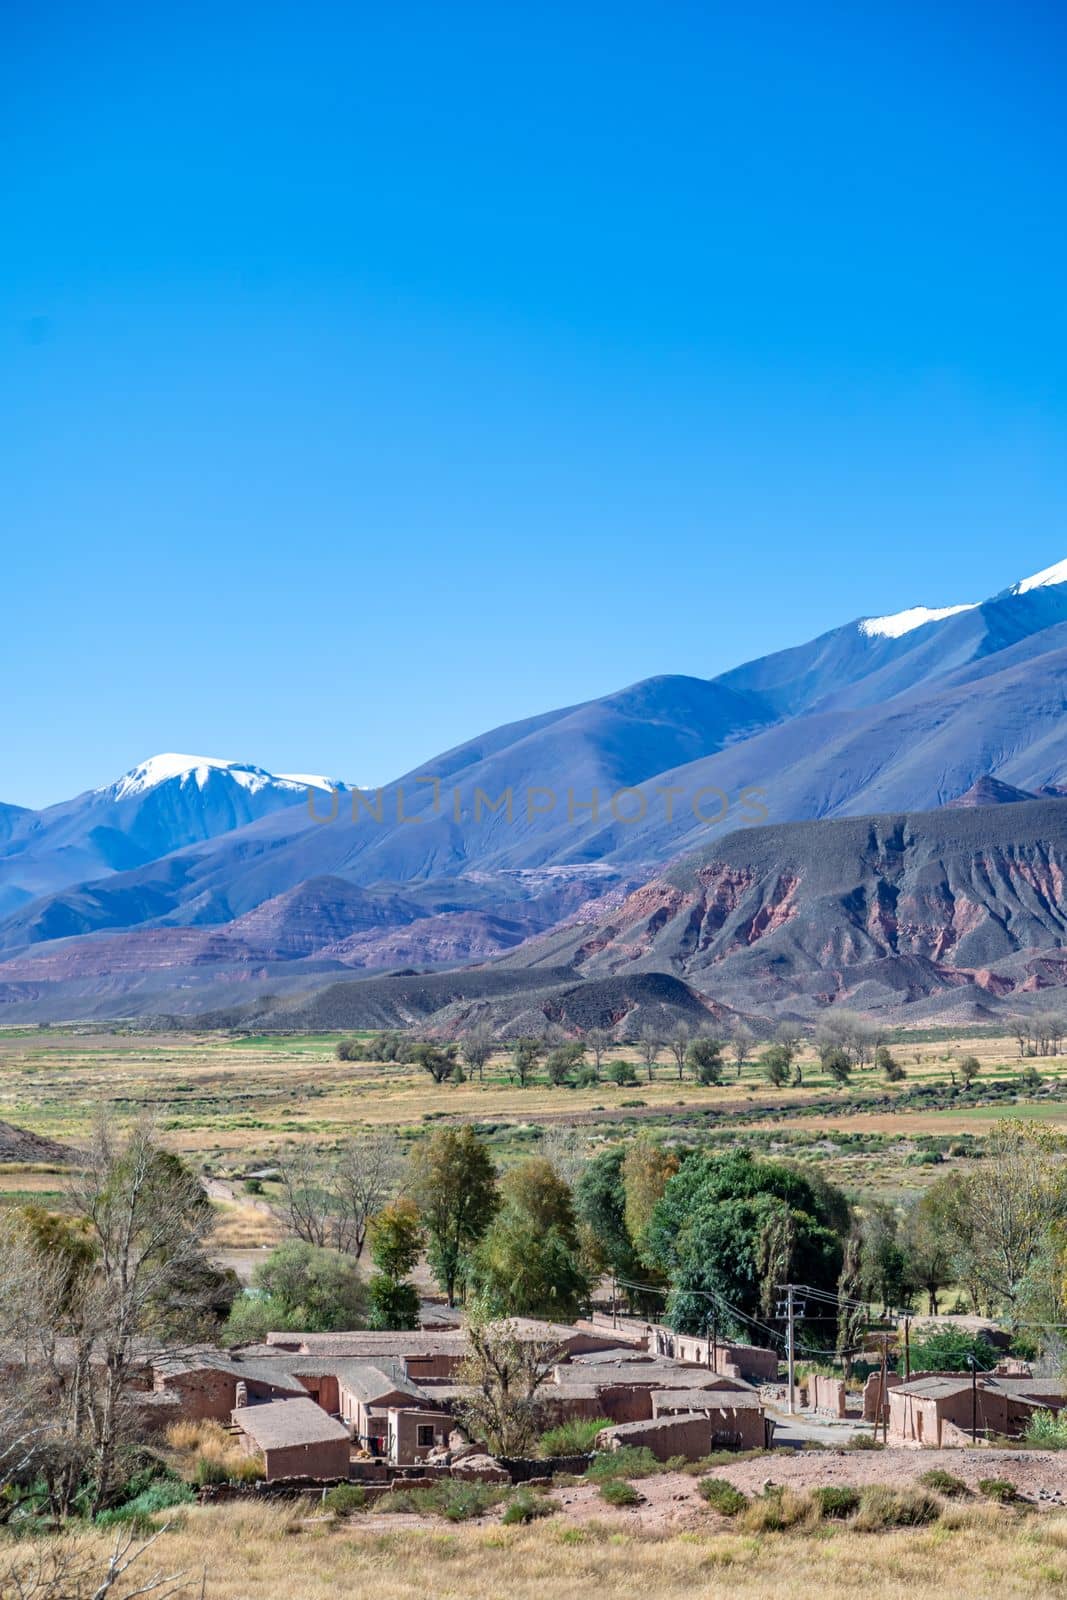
[
  {"x": 599, "y": 1042},
  {"x": 678, "y": 1043},
  {"x": 148, "y": 1218},
  {"x": 741, "y": 1041},
  {"x": 506, "y": 1374},
  {"x": 566, "y": 1151},
  {"x": 329, "y": 1201},
  {"x": 365, "y": 1175},
  {"x": 1013, "y": 1199},
  {"x": 63, "y": 1571},
  {"x": 650, "y": 1043},
  {"x": 476, "y": 1048}
]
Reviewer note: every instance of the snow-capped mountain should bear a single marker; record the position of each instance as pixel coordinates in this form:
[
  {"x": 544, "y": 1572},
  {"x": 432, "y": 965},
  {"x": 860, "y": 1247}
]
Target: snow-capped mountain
[
  {"x": 891, "y": 713},
  {"x": 200, "y": 771},
  {"x": 157, "y": 806}
]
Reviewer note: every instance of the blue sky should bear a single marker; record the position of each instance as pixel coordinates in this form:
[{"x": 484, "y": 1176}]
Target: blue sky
[{"x": 372, "y": 376}]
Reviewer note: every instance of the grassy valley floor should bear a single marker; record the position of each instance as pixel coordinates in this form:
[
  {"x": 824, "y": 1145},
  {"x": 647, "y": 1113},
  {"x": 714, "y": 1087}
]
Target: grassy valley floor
[{"x": 269, "y": 1553}]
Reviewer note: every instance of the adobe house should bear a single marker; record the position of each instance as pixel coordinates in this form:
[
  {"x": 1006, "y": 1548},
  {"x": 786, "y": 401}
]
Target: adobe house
[
  {"x": 936, "y": 1409},
  {"x": 684, "y": 1433},
  {"x": 295, "y": 1438},
  {"x": 738, "y": 1420},
  {"x": 748, "y": 1361}
]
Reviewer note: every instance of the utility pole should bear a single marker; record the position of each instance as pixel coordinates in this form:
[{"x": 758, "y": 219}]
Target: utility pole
[
  {"x": 788, "y": 1310},
  {"x": 614, "y": 1302},
  {"x": 907, "y": 1348},
  {"x": 973, "y": 1364}
]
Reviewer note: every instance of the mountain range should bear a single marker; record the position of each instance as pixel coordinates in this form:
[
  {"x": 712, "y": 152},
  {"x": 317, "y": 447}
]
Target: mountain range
[{"x": 193, "y": 885}]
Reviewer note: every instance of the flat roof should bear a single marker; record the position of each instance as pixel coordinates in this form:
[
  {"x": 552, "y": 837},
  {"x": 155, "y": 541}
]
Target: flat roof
[
  {"x": 277, "y": 1423},
  {"x": 709, "y": 1399}
]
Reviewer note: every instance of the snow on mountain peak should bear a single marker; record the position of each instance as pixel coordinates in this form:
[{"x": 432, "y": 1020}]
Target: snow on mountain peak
[
  {"x": 198, "y": 770},
  {"x": 1042, "y": 580},
  {"x": 902, "y": 622}
]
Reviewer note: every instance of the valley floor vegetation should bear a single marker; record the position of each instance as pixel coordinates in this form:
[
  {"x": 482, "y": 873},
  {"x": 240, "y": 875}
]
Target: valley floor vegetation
[{"x": 693, "y": 1213}]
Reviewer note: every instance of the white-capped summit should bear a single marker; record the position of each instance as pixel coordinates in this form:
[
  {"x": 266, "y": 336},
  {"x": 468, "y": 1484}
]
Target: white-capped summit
[
  {"x": 902, "y": 622},
  {"x": 198, "y": 770},
  {"x": 1042, "y": 580}
]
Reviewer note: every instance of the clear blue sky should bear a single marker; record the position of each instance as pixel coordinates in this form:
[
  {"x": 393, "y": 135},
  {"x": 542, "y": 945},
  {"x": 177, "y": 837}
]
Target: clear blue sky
[{"x": 374, "y": 375}]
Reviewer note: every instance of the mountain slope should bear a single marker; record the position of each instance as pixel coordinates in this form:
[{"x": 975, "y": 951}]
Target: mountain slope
[
  {"x": 889, "y": 714},
  {"x": 877, "y": 911}
]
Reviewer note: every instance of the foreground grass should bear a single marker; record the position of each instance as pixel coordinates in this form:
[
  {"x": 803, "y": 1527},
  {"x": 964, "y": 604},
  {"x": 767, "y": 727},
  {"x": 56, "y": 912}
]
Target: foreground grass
[{"x": 270, "y": 1553}]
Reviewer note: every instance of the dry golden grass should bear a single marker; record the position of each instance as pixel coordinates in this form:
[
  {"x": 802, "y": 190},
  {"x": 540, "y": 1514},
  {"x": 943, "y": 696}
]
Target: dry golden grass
[
  {"x": 270, "y": 1553},
  {"x": 244, "y": 1227},
  {"x": 200, "y": 1445}
]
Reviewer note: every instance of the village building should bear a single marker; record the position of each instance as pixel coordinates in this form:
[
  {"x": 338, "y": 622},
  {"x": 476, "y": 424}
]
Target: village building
[
  {"x": 394, "y": 1396},
  {"x": 942, "y": 1409},
  {"x": 295, "y": 1438}
]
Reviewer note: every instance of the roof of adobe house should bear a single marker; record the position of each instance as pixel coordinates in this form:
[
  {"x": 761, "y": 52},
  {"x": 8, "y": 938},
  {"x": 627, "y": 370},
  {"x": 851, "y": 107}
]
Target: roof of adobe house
[
  {"x": 401, "y": 1344},
  {"x": 939, "y": 1385},
  {"x": 267, "y": 1370},
  {"x": 359, "y": 1343},
  {"x": 277, "y": 1423},
  {"x": 707, "y": 1399},
  {"x": 372, "y": 1383},
  {"x": 624, "y": 1430}
]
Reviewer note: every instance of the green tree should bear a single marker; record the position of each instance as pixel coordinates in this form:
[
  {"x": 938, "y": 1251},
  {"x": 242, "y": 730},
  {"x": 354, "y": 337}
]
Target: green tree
[
  {"x": 301, "y": 1287},
  {"x": 622, "y": 1074},
  {"x": 600, "y": 1206},
  {"x": 525, "y": 1054},
  {"x": 563, "y": 1062},
  {"x": 647, "y": 1169},
  {"x": 883, "y": 1260},
  {"x": 439, "y": 1060},
  {"x": 705, "y": 1060},
  {"x": 850, "y": 1309},
  {"x": 969, "y": 1068},
  {"x": 948, "y": 1349},
  {"x": 837, "y": 1065},
  {"x": 888, "y": 1064},
  {"x": 721, "y": 1227},
  {"x": 529, "y": 1260},
  {"x": 1015, "y": 1197},
  {"x": 775, "y": 1063},
  {"x": 396, "y": 1242},
  {"x": 453, "y": 1182},
  {"x": 928, "y": 1244}
]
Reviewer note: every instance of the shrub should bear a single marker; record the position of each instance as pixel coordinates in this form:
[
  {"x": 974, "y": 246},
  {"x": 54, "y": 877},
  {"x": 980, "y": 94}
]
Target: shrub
[
  {"x": 999, "y": 1489},
  {"x": 1046, "y": 1431},
  {"x": 882, "y": 1507},
  {"x": 525, "y": 1506},
  {"x": 452, "y": 1498},
  {"x": 722, "y": 1496},
  {"x": 775, "y": 1510},
  {"x": 621, "y": 1073},
  {"x": 617, "y": 1492},
  {"x": 137, "y": 1512},
  {"x": 942, "y": 1482},
  {"x": 575, "y": 1437},
  {"x": 865, "y": 1441},
  {"x": 836, "y": 1501},
  {"x": 345, "y": 1498},
  {"x": 632, "y": 1461}
]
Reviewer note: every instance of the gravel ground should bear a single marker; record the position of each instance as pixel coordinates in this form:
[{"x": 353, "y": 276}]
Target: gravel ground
[{"x": 671, "y": 1503}]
